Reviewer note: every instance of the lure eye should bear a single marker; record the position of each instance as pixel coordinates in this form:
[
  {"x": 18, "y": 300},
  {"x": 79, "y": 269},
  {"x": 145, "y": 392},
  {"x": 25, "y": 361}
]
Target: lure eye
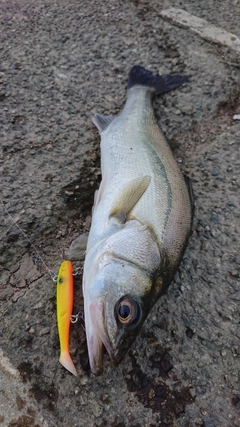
[{"x": 127, "y": 311}]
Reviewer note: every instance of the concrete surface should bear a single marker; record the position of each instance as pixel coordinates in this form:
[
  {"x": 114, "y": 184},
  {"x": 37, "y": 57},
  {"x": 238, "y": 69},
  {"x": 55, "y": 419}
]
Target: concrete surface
[{"x": 202, "y": 28}]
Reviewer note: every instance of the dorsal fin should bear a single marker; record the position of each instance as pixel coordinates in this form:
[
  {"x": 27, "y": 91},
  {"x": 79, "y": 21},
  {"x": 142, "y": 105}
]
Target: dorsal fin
[{"x": 101, "y": 121}]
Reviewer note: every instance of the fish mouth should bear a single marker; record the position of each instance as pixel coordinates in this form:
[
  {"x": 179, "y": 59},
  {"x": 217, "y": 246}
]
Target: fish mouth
[
  {"x": 95, "y": 354},
  {"x": 98, "y": 338}
]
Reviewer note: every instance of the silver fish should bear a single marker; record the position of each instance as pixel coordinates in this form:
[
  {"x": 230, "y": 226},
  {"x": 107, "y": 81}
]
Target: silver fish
[{"x": 141, "y": 221}]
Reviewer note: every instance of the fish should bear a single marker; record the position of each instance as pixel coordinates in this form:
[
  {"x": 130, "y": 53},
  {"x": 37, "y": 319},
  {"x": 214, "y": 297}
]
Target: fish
[
  {"x": 141, "y": 221},
  {"x": 64, "y": 312}
]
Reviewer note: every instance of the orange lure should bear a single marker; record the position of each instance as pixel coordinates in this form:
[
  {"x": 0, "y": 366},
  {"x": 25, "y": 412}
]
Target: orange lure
[{"x": 64, "y": 311}]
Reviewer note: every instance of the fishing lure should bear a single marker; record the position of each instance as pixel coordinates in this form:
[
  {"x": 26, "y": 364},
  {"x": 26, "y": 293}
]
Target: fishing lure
[
  {"x": 64, "y": 300},
  {"x": 64, "y": 312}
]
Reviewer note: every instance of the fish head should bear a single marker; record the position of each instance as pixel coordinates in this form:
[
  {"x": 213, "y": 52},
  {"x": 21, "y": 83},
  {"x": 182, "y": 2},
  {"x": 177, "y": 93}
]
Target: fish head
[
  {"x": 119, "y": 299},
  {"x": 115, "y": 314}
]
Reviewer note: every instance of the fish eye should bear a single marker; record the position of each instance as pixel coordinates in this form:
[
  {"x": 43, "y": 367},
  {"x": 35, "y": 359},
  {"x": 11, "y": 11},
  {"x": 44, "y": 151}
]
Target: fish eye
[{"x": 127, "y": 311}]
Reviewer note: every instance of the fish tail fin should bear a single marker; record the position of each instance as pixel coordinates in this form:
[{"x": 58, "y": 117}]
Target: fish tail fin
[
  {"x": 66, "y": 360},
  {"x": 161, "y": 84}
]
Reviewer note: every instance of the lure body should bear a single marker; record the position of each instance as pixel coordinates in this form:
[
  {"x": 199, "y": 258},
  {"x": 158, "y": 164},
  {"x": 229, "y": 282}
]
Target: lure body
[{"x": 64, "y": 311}]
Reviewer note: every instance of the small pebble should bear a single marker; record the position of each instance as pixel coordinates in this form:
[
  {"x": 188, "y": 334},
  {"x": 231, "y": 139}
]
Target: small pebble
[
  {"x": 63, "y": 232},
  {"x": 18, "y": 295},
  {"x": 83, "y": 380},
  {"x": 77, "y": 390},
  {"x": 44, "y": 331},
  {"x": 96, "y": 408},
  {"x": 22, "y": 284}
]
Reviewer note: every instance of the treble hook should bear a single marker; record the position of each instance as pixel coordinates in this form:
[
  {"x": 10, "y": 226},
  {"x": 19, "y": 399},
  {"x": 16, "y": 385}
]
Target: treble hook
[
  {"x": 76, "y": 271},
  {"x": 74, "y": 317},
  {"x": 53, "y": 275}
]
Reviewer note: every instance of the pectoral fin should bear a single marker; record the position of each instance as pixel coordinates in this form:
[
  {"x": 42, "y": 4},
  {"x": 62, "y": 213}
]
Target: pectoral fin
[
  {"x": 128, "y": 197},
  {"x": 78, "y": 248}
]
